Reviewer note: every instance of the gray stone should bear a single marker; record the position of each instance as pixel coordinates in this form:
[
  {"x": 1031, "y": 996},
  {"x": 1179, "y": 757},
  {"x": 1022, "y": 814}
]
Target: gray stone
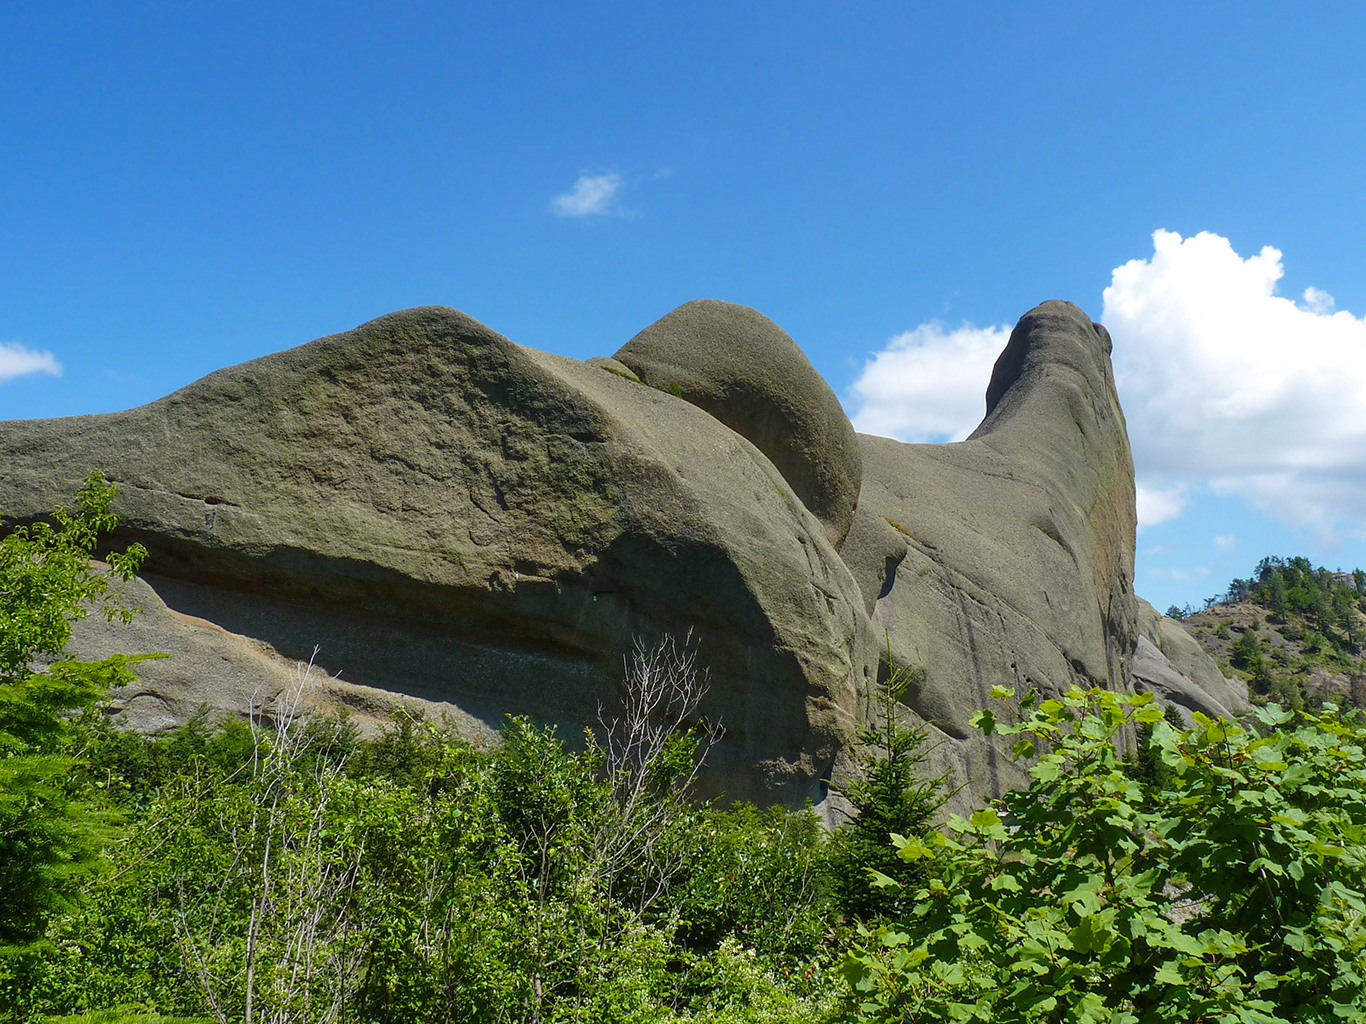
[
  {"x": 1171, "y": 664},
  {"x": 455, "y": 517},
  {"x": 1012, "y": 562},
  {"x": 475, "y": 528},
  {"x": 205, "y": 666},
  {"x": 613, "y": 366},
  {"x": 743, "y": 369}
]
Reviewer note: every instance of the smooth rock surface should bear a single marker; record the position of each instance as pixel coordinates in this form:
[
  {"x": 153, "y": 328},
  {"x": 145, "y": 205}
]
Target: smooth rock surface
[
  {"x": 743, "y": 369},
  {"x": 1171, "y": 664},
  {"x": 1007, "y": 559},
  {"x": 476, "y": 528},
  {"x": 206, "y": 666},
  {"x": 452, "y": 516}
]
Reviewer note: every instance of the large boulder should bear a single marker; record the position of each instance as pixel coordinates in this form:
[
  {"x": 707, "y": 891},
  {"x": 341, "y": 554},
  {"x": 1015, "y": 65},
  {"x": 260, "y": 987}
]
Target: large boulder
[
  {"x": 476, "y": 528},
  {"x": 1007, "y": 559},
  {"x": 451, "y": 516},
  {"x": 743, "y": 369},
  {"x": 212, "y": 669}
]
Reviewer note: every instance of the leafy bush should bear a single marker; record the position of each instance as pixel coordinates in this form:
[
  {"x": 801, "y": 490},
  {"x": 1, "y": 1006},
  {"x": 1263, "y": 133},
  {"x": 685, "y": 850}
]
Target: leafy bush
[
  {"x": 50, "y": 830},
  {"x": 759, "y": 876},
  {"x": 286, "y": 870},
  {"x": 1235, "y": 892}
]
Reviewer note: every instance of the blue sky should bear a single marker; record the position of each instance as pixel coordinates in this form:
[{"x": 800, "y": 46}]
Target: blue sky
[{"x": 183, "y": 187}]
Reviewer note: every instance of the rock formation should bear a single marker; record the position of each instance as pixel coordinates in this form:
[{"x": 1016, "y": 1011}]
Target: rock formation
[
  {"x": 1170, "y": 663},
  {"x": 741, "y": 367},
  {"x": 1007, "y": 559},
  {"x": 461, "y": 523}
]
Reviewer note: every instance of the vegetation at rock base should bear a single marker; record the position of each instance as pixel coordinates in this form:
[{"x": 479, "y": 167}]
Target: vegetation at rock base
[
  {"x": 1234, "y": 890},
  {"x": 287, "y": 869},
  {"x": 893, "y": 795},
  {"x": 1293, "y": 632},
  {"x": 50, "y": 831},
  {"x": 292, "y": 871}
]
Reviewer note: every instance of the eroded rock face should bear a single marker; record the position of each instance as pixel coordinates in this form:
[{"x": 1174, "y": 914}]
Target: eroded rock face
[
  {"x": 1007, "y": 559},
  {"x": 478, "y": 528},
  {"x": 451, "y": 516},
  {"x": 743, "y": 369},
  {"x": 1170, "y": 663}
]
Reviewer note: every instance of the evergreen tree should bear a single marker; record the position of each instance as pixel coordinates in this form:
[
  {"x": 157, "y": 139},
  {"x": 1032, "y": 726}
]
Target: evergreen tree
[
  {"x": 1276, "y": 593},
  {"x": 1345, "y": 615},
  {"x": 891, "y": 798},
  {"x": 1246, "y": 652},
  {"x": 1321, "y": 601}
]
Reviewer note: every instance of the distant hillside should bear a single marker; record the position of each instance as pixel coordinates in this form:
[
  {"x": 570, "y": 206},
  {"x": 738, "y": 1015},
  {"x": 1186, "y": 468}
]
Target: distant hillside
[{"x": 1292, "y": 631}]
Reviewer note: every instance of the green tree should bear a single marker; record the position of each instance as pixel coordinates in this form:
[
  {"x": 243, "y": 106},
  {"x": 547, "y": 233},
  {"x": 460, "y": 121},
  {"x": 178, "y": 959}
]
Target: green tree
[
  {"x": 1345, "y": 614},
  {"x": 1246, "y": 652},
  {"x": 1276, "y": 594},
  {"x": 1321, "y": 601},
  {"x": 892, "y": 797},
  {"x": 51, "y": 832}
]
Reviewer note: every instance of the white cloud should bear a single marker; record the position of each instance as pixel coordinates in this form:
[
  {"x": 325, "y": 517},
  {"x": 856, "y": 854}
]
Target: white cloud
[
  {"x": 928, "y": 384},
  {"x": 1225, "y": 383},
  {"x": 1318, "y": 301},
  {"x": 1225, "y": 541},
  {"x": 16, "y": 360},
  {"x": 1156, "y": 505},
  {"x": 591, "y": 195},
  {"x": 1181, "y": 575}
]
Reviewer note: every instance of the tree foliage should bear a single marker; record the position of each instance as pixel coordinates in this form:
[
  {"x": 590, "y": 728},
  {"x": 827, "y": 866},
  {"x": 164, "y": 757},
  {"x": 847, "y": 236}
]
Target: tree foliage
[
  {"x": 288, "y": 870},
  {"x": 1233, "y": 891},
  {"x": 893, "y": 793},
  {"x": 50, "y": 833},
  {"x": 1293, "y": 587}
]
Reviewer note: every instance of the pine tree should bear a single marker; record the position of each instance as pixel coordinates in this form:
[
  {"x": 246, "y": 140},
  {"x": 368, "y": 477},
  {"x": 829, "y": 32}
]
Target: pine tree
[
  {"x": 1276, "y": 594},
  {"x": 891, "y": 797}
]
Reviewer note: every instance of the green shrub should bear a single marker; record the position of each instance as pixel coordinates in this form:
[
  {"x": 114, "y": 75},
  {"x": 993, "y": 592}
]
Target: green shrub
[
  {"x": 1146, "y": 764},
  {"x": 432, "y": 881},
  {"x": 735, "y": 984},
  {"x": 123, "y": 1015},
  {"x": 51, "y": 827},
  {"x": 1234, "y": 893},
  {"x": 1246, "y": 652},
  {"x": 759, "y": 875}
]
